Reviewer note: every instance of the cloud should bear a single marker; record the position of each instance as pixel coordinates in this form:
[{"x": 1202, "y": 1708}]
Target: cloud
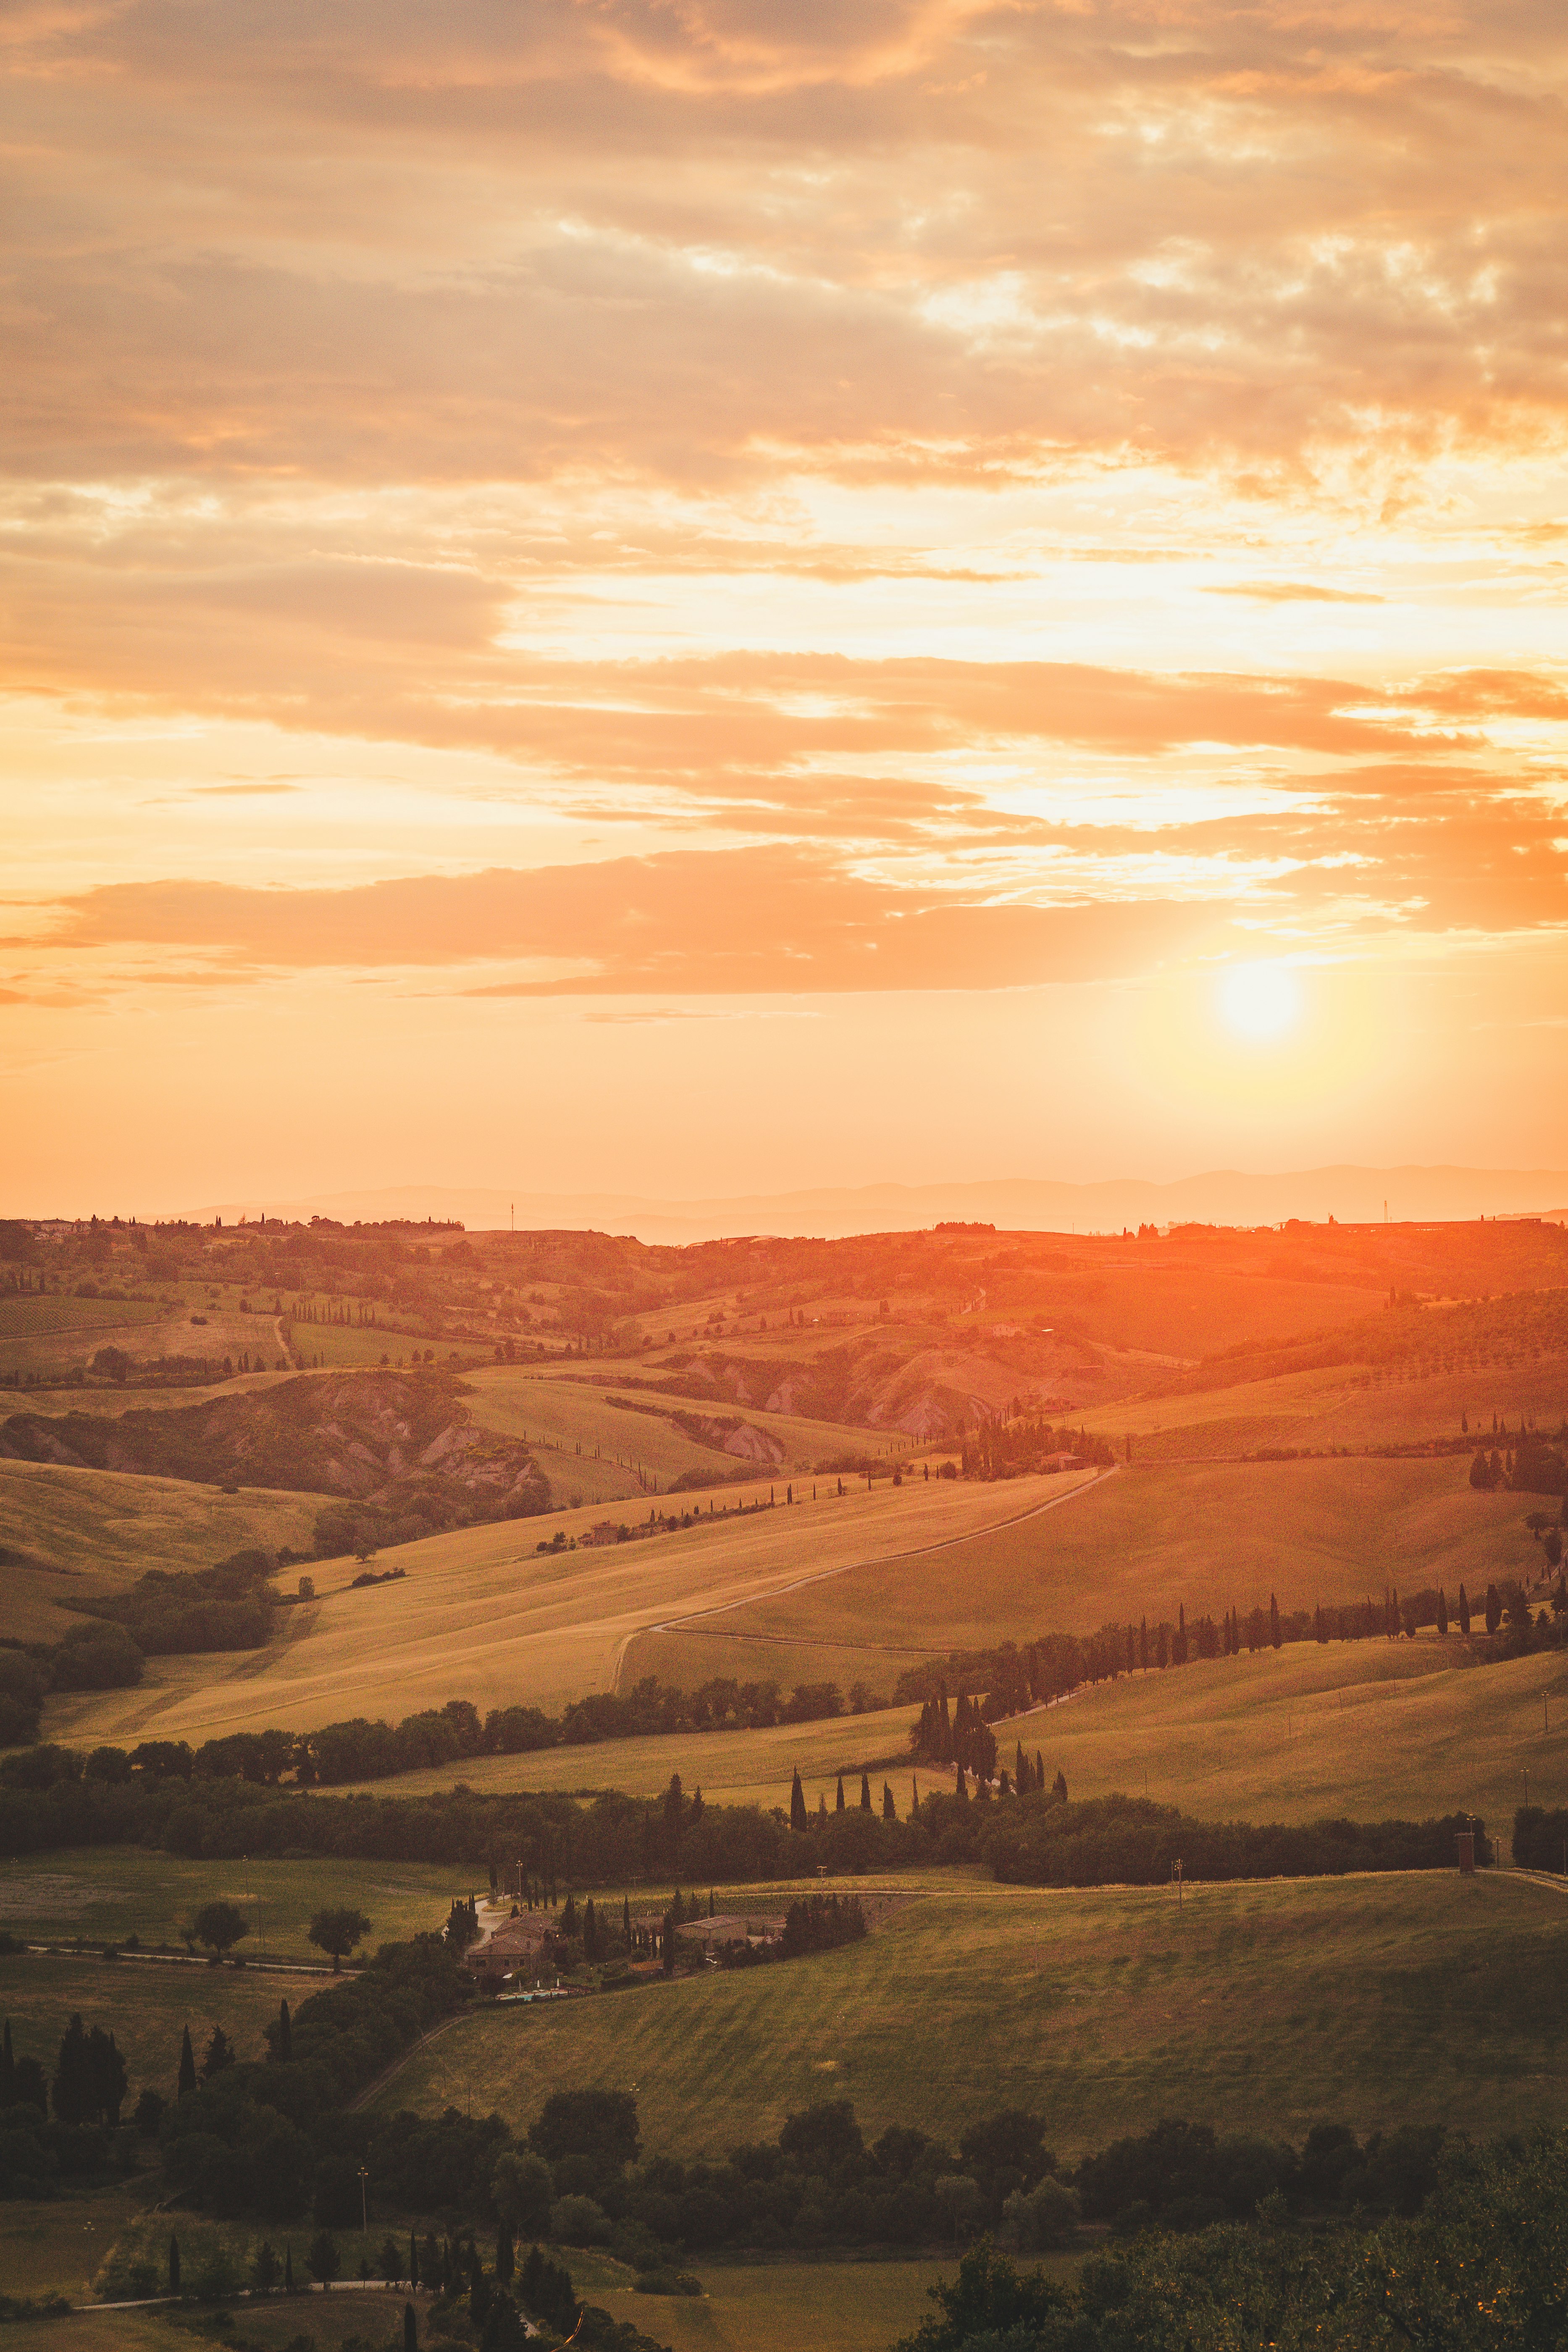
[
  {"x": 941, "y": 242},
  {"x": 736, "y": 922},
  {"x": 1293, "y": 591}
]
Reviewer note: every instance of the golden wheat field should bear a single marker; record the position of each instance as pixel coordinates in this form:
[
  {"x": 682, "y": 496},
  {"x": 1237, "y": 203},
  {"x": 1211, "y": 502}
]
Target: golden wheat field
[
  {"x": 1363, "y": 1728},
  {"x": 1208, "y": 1536},
  {"x": 485, "y": 1614},
  {"x": 67, "y": 1533}
]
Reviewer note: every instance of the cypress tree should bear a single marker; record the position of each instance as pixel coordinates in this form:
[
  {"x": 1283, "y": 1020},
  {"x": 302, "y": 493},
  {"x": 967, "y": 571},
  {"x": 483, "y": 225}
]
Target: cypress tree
[
  {"x": 173, "y": 2266},
  {"x": 839, "y": 1801},
  {"x": 414, "y": 2258},
  {"x": 1040, "y": 1769},
  {"x": 410, "y": 2329},
  {"x": 7, "y": 2070},
  {"x": 1464, "y": 1611},
  {"x": 1144, "y": 1646},
  {"x": 1442, "y": 1614},
  {"x": 288, "y": 2269},
  {"x": 865, "y": 1792},
  {"x": 796, "y": 1803},
  {"x": 713, "y": 1906},
  {"x": 1020, "y": 1768},
  {"x": 626, "y": 1920},
  {"x": 187, "y": 2065},
  {"x": 961, "y": 1786},
  {"x": 1179, "y": 1646},
  {"x": 285, "y": 2033},
  {"x": 822, "y": 1812},
  {"x": 71, "y": 2094},
  {"x": 889, "y": 1810},
  {"x": 505, "y": 2258},
  {"x": 1061, "y": 1788},
  {"x": 1273, "y": 1622}
]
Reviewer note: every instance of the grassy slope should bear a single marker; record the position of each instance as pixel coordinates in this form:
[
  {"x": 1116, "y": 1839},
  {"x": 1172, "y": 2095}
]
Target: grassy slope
[
  {"x": 1206, "y": 1534},
  {"x": 1343, "y": 1405},
  {"x": 1380, "y": 2001},
  {"x": 559, "y": 1414},
  {"x": 1367, "y": 1729},
  {"x": 85, "y": 1531},
  {"x": 482, "y": 1616}
]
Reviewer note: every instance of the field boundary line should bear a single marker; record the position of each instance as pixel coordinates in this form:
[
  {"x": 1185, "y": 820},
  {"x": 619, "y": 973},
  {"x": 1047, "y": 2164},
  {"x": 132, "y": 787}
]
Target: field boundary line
[
  {"x": 880, "y": 1559},
  {"x": 390, "y": 2073}
]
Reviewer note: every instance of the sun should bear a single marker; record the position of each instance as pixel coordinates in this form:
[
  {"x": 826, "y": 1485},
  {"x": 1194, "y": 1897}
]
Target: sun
[{"x": 1260, "y": 1001}]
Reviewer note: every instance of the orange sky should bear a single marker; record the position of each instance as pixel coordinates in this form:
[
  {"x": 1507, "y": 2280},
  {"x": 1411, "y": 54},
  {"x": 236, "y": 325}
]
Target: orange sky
[{"x": 689, "y": 598}]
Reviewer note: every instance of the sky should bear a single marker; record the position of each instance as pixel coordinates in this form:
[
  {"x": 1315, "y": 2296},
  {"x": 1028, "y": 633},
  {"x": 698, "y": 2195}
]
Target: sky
[{"x": 684, "y": 596}]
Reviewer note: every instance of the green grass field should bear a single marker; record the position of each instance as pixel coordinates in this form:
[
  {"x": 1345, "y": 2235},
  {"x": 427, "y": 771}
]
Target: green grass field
[
  {"x": 49, "y": 1336},
  {"x": 104, "y": 1894},
  {"x": 1378, "y": 2000},
  {"x": 145, "y": 2007},
  {"x": 85, "y": 1531},
  {"x": 482, "y": 1614}
]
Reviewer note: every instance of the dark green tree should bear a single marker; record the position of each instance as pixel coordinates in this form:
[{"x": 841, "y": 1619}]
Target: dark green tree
[
  {"x": 264, "y": 2268},
  {"x": 389, "y": 2261},
  {"x": 839, "y": 1801},
  {"x": 414, "y": 2258},
  {"x": 219, "y": 2053},
  {"x": 285, "y": 2034},
  {"x": 109, "y": 2080},
  {"x": 1059, "y": 1786},
  {"x": 323, "y": 2261},
  {"x": 506, "y": 2260},
  {"x": 865, "y": 1792},
  {"x": 1442, "y": 1611},
  {"x": 1464, "y": 1611},
  {"x": 1273, "y": 1623},
  {"x": 1494, "y": 1608},
  {"x": 218, "y": 1926},
  {"x": 288, "y": 2269},
  {"x": 626, "y": 1920},
  {"x": 410, "y": 2329},
  {"x": 796, "y": 1803},
  {"x": 667, "y": 1945},
  {"x": 337, "y": 1930},
  {"x": 889, "y": 1810},
  {"x": 71, "y": 2092}
]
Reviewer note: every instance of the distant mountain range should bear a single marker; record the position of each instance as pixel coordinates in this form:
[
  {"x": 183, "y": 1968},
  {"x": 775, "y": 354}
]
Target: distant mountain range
[{"x": 1223, "y": 1196}]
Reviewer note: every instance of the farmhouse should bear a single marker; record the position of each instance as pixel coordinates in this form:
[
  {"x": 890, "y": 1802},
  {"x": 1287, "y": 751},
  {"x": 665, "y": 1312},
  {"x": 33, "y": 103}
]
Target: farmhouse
[{"x": 523, "y": 1945}]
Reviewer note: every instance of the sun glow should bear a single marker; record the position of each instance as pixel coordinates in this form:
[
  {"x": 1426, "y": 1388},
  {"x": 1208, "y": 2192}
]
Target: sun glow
[{"x": 1260, "y": 1001}]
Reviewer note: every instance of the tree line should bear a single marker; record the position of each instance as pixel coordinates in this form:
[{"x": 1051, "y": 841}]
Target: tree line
[
  {"x": 338, "y": 1753},
  {"x": 612, "y": 1838},
  {"x": 1009, "y": 1678}
]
